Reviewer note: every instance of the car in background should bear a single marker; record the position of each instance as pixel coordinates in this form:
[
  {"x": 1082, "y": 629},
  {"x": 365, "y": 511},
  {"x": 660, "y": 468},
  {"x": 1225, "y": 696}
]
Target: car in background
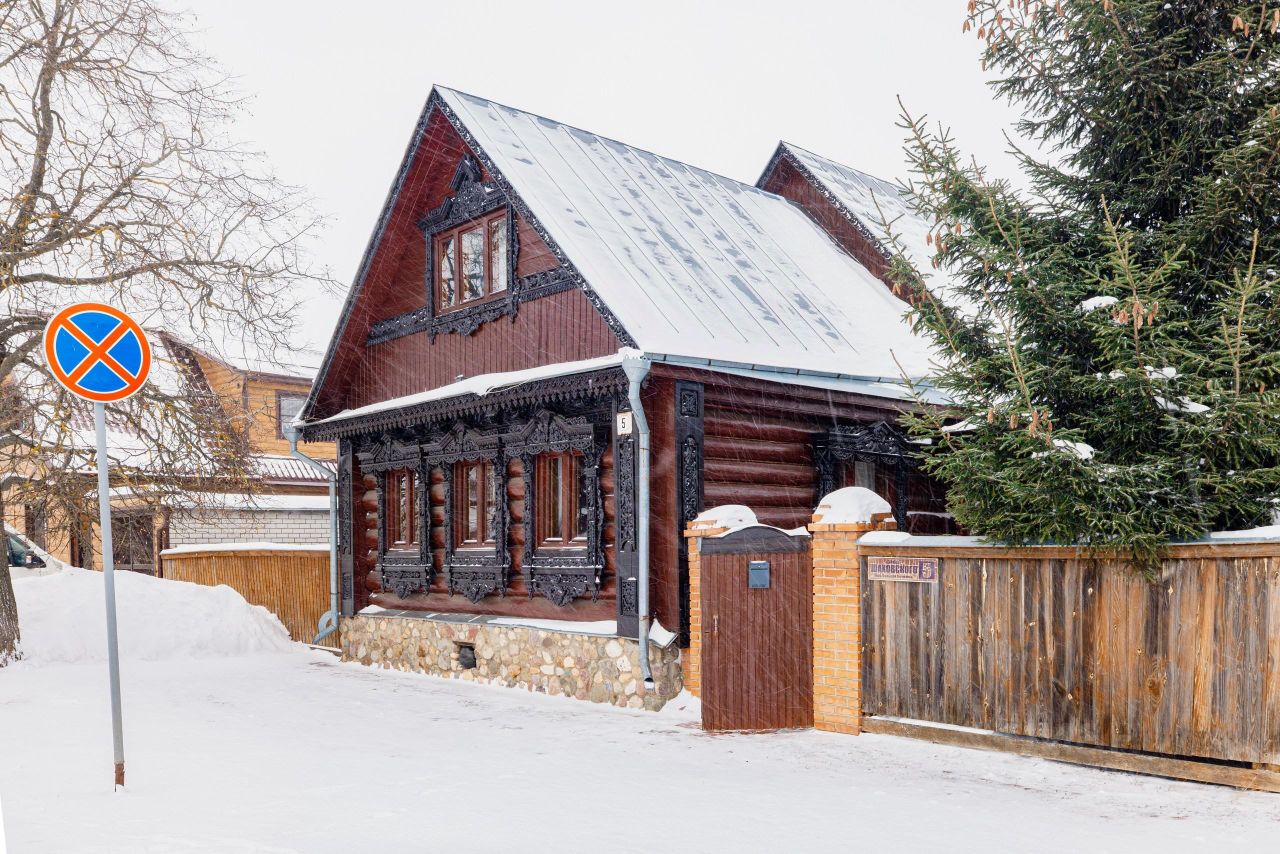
[{"x": 22, "y": 553}]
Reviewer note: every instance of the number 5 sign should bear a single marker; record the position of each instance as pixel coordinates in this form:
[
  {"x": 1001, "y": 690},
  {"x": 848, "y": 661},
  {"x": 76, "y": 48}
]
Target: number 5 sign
[{"x": 101, "y": 354}]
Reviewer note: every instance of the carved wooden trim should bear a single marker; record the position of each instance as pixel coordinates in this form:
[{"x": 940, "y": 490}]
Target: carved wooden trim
[
  {"x": 879, "y": 442},
  {"x": 402, "y": 572},
  {"x": 689, "y": 480},
  {"x": 626, "y": 558},
  {"x": 468, "y": 318},
  {"x": 526, "y": 214},
  {"x": 562, "y": 574},
  {"x": 346, "y": 527},
  {"x": 552, "y": 391}
]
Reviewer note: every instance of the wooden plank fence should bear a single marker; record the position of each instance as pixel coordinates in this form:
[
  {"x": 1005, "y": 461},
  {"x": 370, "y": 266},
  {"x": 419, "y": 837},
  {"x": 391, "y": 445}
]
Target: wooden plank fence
[
  {"x": 291, "y": 583},
  {"x": 1048, "y": 644}
]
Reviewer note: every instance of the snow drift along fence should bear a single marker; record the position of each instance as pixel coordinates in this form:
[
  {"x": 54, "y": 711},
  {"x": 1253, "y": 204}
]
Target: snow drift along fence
[
  {"x": 290, "y": 581},
  {"x": 1042, "y": 642}
]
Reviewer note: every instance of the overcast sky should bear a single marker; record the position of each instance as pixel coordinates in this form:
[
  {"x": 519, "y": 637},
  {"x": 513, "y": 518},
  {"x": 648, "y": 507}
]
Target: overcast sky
[{"x": 337, "y": 86}]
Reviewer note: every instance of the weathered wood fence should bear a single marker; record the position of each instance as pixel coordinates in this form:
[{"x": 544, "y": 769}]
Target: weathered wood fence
[
  {"x": 292, "y": 582},
  {"x": 1043, "y": 642}
]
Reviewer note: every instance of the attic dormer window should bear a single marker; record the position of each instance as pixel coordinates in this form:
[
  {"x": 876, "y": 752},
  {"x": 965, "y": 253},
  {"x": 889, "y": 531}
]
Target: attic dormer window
[{"x": 471, "y": 261}]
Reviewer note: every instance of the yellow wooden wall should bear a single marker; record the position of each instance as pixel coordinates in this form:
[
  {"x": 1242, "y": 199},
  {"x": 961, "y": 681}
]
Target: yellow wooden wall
[{"x": 292, "y": 584}]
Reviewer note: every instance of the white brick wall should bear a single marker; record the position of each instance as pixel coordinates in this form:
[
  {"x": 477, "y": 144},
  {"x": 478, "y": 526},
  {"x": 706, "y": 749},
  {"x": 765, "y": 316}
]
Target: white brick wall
[{"x": 195, "y": 528}]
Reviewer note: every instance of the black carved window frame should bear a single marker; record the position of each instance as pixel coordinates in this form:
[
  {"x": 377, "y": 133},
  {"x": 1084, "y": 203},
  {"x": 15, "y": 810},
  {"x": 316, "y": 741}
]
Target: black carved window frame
[
  {"x": 472, "y": 200},
  {"x": 881, "y": 443},
  {"x": 473, "y": 571},
  {"x": 563, "y": 574},
  {"x": 402, "y": 572}
]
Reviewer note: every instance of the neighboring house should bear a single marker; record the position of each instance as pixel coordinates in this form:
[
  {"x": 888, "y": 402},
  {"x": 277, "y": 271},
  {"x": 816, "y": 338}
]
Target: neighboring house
[
  {"x": 283, "y": 500},
  {"x": 487, "y": 444}
]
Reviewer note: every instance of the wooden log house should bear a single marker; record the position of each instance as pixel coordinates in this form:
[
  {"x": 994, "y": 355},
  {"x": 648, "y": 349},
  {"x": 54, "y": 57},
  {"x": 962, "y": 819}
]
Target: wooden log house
[{"x": 474, "y": 382}]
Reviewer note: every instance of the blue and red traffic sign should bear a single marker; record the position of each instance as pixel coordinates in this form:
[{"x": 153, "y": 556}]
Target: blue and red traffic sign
[{"x": 97, "y": 352}]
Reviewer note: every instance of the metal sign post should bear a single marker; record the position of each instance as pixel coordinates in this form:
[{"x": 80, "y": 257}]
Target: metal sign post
[
  {"x": 109, "y": 586},
  {"x": 99, "y": 353}
]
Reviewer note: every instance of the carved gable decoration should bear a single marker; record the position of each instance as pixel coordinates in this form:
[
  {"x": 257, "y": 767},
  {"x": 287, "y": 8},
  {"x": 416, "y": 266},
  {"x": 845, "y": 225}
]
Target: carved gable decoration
[{"x": 472, "y": 197}]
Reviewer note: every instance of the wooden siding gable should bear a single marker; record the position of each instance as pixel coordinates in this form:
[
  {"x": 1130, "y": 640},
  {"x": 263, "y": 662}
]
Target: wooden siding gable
[
  {"x": 789, "y": 178},
  {"x": 559, "y": 322}
]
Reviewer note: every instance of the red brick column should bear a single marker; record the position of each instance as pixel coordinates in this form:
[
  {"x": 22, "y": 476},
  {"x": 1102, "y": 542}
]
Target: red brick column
[{"x": 837, "y": 622}]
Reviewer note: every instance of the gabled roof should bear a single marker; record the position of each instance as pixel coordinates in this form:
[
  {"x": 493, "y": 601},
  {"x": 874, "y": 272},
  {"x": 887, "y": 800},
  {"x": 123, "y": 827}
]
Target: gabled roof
[
  {"x": 691, "y": 263},
  {"x": 869, "y": 203},
  {"x": 683, "y": 263}
]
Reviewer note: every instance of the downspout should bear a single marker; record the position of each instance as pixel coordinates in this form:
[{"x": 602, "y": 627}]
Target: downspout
[
  {"x": 329, "y": 620},
  {"x": 636, "y": 368}
]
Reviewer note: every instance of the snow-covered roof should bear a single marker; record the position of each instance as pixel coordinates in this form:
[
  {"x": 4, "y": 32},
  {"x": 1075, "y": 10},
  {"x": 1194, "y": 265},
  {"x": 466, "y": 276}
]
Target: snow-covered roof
[
  {"x": 484, "y": 384},
  {"x": 873, "y": 202},
  {"x": 691, "y": 263},
  {"x": 272, "y": 468}
]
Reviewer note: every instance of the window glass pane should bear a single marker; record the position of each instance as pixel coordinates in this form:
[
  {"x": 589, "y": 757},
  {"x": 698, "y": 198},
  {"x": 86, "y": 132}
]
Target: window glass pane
[
  {"x": 490, "y": 503},
  {"x": 473, "y": 504},
  {"x": 404, "y": 511},
  {"x": 473, "y": 264},
  {"x": 555, "y": 498},
  {"x": 446, "y": 273},
  {"x": 498, "y": 254},
  {"x": 289, "y": 407}
]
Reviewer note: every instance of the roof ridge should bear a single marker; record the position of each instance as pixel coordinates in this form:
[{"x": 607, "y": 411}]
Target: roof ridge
[
  {"x": 813, "y": 153},
  {"x": 614, "y": 140}
]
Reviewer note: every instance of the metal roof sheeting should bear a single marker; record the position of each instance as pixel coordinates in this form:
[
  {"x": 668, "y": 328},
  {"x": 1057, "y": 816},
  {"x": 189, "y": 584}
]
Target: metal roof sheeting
[{"x": 694, "y": 264}]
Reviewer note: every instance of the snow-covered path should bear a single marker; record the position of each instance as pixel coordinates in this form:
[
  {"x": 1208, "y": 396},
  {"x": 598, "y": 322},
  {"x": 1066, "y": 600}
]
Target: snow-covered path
[{"x": 294, "y": 751}]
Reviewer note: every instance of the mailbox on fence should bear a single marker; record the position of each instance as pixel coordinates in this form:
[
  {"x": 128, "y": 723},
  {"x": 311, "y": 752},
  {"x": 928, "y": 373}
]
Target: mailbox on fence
[{"x": 758, "y": 574}]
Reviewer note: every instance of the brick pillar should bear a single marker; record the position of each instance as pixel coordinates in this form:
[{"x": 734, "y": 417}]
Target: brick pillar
[
  {"x": 837, "y": 622},
  {"x": 691, "y": 660}
]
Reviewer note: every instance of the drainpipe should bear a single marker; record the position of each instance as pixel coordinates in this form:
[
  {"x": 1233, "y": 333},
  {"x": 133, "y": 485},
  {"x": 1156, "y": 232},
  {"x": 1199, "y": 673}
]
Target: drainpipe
[
  {"x": 329, "y": 620},
  {"x": 636, "y": 368}
]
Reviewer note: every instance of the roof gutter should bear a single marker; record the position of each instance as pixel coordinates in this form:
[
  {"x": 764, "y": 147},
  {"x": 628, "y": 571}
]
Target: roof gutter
[{"x": 329, "y": 620}]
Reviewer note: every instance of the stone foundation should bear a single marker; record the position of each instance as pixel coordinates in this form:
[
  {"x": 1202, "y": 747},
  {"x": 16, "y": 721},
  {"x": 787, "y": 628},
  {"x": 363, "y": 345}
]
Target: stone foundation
[{"x": 598, "y": 668}]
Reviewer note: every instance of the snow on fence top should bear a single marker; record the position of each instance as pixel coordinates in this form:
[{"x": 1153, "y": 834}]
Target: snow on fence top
[
  {"x": 247, "y": 547},
  {"x": 1269, "y": 533},
  {"x": 694, "y": 264},
  {"x": 731, "y": 516},
  {"x": 852, "y": 504}
]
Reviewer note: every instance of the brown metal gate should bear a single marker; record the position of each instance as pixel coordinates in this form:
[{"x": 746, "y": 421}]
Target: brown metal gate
[{"x": 757, "y": 631}]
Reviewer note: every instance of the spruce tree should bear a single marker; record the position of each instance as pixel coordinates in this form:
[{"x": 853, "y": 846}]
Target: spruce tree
[{"x": 1111, "y": 333}]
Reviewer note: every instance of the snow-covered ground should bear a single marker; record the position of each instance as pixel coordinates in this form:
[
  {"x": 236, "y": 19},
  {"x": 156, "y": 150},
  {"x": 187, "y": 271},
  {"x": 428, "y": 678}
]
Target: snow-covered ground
[{"x": 240, "y": 741}]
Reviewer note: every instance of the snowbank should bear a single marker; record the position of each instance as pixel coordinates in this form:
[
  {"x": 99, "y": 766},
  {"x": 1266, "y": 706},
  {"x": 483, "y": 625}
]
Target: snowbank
[
  {"x": 853, "y": 504},
  {"x": 63, "y": 619}
]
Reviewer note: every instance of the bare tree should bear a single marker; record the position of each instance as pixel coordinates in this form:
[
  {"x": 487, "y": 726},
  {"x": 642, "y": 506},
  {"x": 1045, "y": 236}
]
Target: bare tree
[{"x": 119, "y": 183}]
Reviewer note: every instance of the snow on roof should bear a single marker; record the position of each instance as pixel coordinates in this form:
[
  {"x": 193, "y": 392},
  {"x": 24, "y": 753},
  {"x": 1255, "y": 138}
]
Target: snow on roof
[
  {"x": 274, "y": 468},
  {"x": 484, "y": 384},
  {"x": 692, "y": 263},
  {"x": 875, "y": 202}
]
